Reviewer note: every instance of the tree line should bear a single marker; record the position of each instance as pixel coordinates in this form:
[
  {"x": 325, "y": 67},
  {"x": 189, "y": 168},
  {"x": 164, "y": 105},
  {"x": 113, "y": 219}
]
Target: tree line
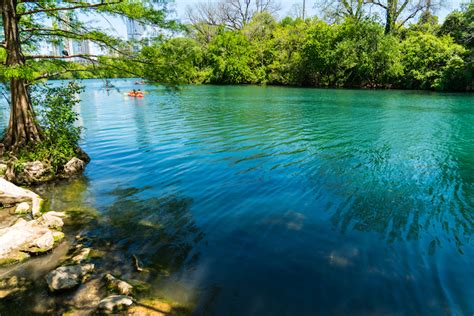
[{"x": 356, "y": 43}]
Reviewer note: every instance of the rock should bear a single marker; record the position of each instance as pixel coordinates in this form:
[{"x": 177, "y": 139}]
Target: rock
[
  {"x": 29, "y": 173},
  {"x": 117, "y": 285},
  {"x": 58, "y": 214},
  {"x": 41, "y": 244},
  {"x": 87, "y": 297},
  {"x": 58, "y": 236},
  {"x": 74, "y": 167},
  {"x": 67, "y": 277},
  {"x": 115, "y": 303},
  {"x": 13, "y": 257},
  {"x": 37, "y": 206},
  {"x": 21, "y": 236},
  {"x": 25, "y": 237},
  {"x": 81, "y": 255},
  {"x": 12, "y": 285},
  {"x": 51, "y": 221},
  {"x": 81, "y": 154},
  {"x": 22, "y": 208},
  {"x": 34, "y": 172},
  {"x": 11, "y": 194}
]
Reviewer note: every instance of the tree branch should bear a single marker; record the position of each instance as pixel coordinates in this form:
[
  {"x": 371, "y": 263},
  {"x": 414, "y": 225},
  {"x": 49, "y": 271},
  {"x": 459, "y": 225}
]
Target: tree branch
[
  {"x": 377, "y": 2},
  {"x": 53, "y": 74},
  {"x": 84, "y": 56},
  {"x": 89, "y": 6},
  {"x": 411, "y": 16}
]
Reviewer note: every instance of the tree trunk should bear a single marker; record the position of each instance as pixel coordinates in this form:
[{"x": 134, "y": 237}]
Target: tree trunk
[
  {"x": 388, "y": 22},
  {"x": 22, "y": 128}
]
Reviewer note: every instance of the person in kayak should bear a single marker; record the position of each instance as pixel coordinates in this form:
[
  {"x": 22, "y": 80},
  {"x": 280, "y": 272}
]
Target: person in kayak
[{"x": 135, "y": 93}]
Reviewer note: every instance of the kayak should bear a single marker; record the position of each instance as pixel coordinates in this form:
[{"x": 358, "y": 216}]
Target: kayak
[{"x": 135, "y": 95}]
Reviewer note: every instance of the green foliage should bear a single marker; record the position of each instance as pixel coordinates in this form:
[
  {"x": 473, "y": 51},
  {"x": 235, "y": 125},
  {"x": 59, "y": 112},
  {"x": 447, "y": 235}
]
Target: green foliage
[
  {"x": 354, "y": 53},
  {"x": 318, "y": 55},
  {"x": 58, "y": 120},
  {"x": 460, "y": 26},
  {"x": 55, "y": 22},
  {"x": 176, "y": 61},
  {"x": 432, "y": 62},
  {"x": 232, "y": 60},
  {"x": 286, "y": 64}
]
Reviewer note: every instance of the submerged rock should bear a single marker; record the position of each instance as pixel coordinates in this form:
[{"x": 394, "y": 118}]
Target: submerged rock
[
  {"x": 81, "y": 255},
  {"x": 87, "y": 297},
  {"x": 68, "y": 277},
  {"x": 117, "y": 285},
  {"x": 51, "y": 220},
  {"x": 115, "y": 303},
  {"x": 74, "y": 166},
  {"x": 155, "y": 307},
  {"x": 12, "y": 285}
]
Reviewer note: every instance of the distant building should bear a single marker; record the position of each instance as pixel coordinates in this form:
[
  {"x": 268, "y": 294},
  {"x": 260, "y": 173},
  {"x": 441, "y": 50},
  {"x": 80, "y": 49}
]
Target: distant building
[
  {"x": 135, "y": 33},
  {"x": 135, "y": 30},
  {"x": 68, "y": 47},
  {"x": 81, "y": 48}
]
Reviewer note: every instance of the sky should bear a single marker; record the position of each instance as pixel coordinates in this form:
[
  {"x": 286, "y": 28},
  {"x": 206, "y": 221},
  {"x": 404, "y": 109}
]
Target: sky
[
  {"x": 287, "y": 5},
  {"x": 120, "y": 29}
]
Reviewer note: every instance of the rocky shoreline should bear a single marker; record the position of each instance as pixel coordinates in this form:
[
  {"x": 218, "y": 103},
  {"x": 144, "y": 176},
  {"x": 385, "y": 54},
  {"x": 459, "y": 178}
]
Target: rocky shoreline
[{"x": 72, "y": 280}]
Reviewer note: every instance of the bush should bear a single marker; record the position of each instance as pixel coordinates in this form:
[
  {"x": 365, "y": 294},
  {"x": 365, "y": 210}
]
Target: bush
[
  {"x": 430, "y": 62},
  {"x": 57, "y": 118}
]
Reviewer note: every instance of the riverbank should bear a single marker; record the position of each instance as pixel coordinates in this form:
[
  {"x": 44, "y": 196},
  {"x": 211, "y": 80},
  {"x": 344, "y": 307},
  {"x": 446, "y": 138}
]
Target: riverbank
[{"x": 48, "y": 270}]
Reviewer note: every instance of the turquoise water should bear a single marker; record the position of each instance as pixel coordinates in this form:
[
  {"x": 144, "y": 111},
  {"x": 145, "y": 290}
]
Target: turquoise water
[{"x": 279, "y": 201}]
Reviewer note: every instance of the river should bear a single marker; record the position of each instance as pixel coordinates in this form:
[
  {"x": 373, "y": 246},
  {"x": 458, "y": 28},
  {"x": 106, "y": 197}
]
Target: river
[{"x": 284, "y": 201}]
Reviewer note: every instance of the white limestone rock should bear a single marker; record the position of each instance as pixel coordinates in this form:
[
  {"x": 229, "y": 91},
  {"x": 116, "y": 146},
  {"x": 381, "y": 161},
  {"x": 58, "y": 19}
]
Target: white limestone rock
[
  {"x": 22, "y": 208},
  {"x": 67, "y": 277},
  {"x": 74, "y": 166},
  {"x": 11, "y": 194},
  {"x": 115, "y": 303}
]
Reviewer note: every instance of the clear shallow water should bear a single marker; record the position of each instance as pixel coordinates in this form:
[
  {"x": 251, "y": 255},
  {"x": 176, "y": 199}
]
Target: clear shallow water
[{"x": 265, "y": 201}]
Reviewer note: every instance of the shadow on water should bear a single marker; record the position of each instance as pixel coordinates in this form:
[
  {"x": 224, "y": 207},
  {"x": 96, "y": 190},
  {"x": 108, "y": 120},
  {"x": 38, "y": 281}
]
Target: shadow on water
[{"x": 159, "y": 232}]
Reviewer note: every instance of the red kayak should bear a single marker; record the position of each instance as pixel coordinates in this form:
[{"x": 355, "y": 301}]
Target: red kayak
[{"x": 136, "y": 94}]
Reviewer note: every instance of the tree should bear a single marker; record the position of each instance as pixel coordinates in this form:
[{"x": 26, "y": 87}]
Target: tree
[
  {"x": 27, "y": 22},
  {"x": 432, "y": 62},
  {"x": 341, "y": 9},
  {"x": 232, "y": 60},
  {"x": 286, "y": 67},
  {"x": 399, "y": 12},
  {"x": 233, "y": 14},
  {"x": 175, "y": 61},
  {"x": 460, "y": 26}
]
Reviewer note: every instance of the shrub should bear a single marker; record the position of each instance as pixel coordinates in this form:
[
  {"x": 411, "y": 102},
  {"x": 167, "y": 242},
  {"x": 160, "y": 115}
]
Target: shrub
[{"x": 57, "y": 118}]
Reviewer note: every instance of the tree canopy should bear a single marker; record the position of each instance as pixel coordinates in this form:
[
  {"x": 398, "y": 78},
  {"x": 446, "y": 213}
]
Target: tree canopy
[
  {"x": 27, "y": 24},
  {"x": 352, "y": 49}
]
